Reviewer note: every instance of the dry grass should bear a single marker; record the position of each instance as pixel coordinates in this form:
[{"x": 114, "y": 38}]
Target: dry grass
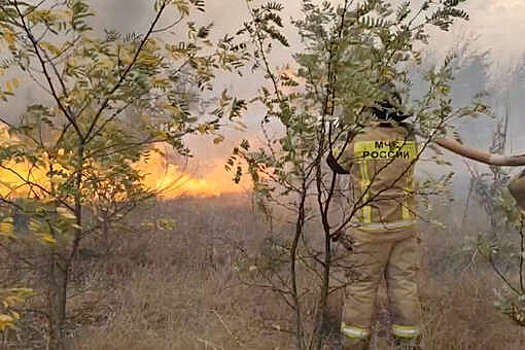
[
  {"x": 459, "y": 314},
  {"x": 184, "y": 293},
  {"x": 178, "y": 289}
]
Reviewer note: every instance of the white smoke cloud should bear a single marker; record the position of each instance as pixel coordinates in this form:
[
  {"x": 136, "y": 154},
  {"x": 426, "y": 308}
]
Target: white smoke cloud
[
  {"x": 498, "y": 27},
  {"x": 497, "y": 24}
]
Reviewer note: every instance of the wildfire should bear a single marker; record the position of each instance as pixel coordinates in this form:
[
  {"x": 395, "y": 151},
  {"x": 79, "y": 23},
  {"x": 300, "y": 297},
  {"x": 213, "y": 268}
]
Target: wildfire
[
  {"x": 18, "y": 179},
  {"x": 171, "y": 181},
  {"x": 15, "y": 176},
  {"x": 166, "y": 178}
]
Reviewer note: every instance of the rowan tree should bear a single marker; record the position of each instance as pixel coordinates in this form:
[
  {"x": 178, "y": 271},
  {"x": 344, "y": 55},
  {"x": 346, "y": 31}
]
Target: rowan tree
[
  {"x": 101, "y": 104},
  {"x": 349, "y": 50}
]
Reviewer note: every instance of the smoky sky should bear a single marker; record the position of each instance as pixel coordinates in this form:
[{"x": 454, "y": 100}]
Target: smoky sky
[
  {"x": 498, "y": 24},
  {"x": 495, "y": 27}
]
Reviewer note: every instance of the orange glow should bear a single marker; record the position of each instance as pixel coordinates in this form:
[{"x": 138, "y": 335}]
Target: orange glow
[
  {"x": 165, "y": 178},
  {"x": 19, "y": 179},
  {"x": 286, "y": 74},
  {"x": 15, "y": 178},
  {"x": 173, "y": 182}
]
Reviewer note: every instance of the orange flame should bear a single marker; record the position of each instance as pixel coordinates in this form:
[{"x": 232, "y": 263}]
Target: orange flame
[
  {"x": 161, "y": 176},
  {"x": 15, "y": 177},
  {"x": 171, "y": 181}
]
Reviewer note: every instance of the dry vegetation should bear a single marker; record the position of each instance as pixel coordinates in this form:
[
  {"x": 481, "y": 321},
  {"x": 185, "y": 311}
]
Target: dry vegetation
[{"x": 152, "y": 286}]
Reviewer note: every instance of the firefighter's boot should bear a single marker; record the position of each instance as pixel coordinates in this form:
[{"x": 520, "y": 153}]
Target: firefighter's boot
[
  {"x": 355, "y": 337},
  {"x": 355, "y": 344},
  {"x": 407, "y": 343}
]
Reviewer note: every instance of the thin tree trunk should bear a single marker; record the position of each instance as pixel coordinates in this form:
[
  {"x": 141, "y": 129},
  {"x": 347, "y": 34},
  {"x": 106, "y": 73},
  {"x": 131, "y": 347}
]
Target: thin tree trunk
[
  {"x": 322, "y": 309},
  {"x": 58, "y": 270},
  {"x": 56, "y": 298},
  {"x": 299, "y": 332}
]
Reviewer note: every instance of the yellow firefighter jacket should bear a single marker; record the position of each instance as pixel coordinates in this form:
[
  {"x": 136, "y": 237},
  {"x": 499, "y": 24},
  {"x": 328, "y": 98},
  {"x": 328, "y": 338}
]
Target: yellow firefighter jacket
[{"x": 382, "y": 158}]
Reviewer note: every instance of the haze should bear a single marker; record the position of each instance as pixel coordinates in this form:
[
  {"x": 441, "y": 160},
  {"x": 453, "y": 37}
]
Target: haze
[{"x": 495, "y": 25}]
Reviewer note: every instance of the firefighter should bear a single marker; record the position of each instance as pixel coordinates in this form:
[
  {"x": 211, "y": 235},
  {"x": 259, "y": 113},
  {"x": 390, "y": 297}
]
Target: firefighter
[
  {"x": 383, "y": 238},
  {"x": 517, "y": 189}
]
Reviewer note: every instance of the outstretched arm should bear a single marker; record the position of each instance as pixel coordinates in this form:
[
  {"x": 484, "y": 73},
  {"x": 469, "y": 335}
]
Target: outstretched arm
[{"x": 481, "y": 156}]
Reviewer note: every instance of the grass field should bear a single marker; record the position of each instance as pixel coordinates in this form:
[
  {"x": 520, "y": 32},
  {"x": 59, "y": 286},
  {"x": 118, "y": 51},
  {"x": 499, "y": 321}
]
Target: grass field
[{"x": 154, "y": 286}]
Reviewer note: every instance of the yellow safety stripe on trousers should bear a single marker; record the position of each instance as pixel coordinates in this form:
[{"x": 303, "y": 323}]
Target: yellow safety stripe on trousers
[
  {"x": 354, "y": 332},
  {"x": 406, "y": 214},
  {"x": 365, "y": 187},
  {"x": 405, "y": 331},
  {"x": 387, "y": 225}
]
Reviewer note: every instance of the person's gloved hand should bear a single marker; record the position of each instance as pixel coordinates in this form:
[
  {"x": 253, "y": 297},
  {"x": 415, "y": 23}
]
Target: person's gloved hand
[
  {"x": 346, "y": 241},
  {"x": 334, "y": 165}
]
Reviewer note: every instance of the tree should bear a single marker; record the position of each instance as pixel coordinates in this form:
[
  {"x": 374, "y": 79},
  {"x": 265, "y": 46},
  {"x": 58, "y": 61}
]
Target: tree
[
  {"x": 106, "y": 103},
  {"x": 505, "y": 257},
  {"x": 349, "y": 51}
]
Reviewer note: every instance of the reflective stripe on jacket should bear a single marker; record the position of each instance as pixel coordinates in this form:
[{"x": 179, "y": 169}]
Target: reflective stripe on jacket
[{"x": 382, "y": 177}]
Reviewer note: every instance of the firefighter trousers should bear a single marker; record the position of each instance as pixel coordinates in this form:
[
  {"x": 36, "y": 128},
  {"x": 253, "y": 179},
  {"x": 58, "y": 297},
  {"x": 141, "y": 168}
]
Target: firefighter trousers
[{"x": 398, "y": 262}]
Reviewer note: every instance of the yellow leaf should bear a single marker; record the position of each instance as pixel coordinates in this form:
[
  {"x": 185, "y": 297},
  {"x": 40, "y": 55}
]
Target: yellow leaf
[
  {"x": 65, "y": 14},
  {"x": 183, "y": 7},
  {"x": 6, "y": 228},
  {"x": 166, "y": 224},
  {"x": 218, "y": 139},
  {"x": 127, "y": 59},
  {"x": 9, "y": 36},
  {"x": 47, "y": 238},
  {"x": 34, "y": 226},
  {"x": 148, "y": 59},
  {"x": 6, "y": 321},
  {"x": 203, "y": 128},
  {"x": 106, "y": 62},
  {"x": 9, "y": 87},
  {"x": 173, "y": 109},
  {"x": 159, "y": 82},
  {"x": 51, "y": 48},
  {"x": 149, "y": 225},
  {"x": 66, "y": 213}
]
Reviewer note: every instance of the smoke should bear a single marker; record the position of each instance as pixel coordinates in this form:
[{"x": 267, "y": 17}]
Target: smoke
[
  {"x": 123, "y": 15},
  {"x": 497, "y": 26}
]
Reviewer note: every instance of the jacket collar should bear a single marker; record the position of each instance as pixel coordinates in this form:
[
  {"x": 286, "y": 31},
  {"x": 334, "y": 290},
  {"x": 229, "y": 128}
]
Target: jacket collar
[{"x": 376, "y": 123}]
